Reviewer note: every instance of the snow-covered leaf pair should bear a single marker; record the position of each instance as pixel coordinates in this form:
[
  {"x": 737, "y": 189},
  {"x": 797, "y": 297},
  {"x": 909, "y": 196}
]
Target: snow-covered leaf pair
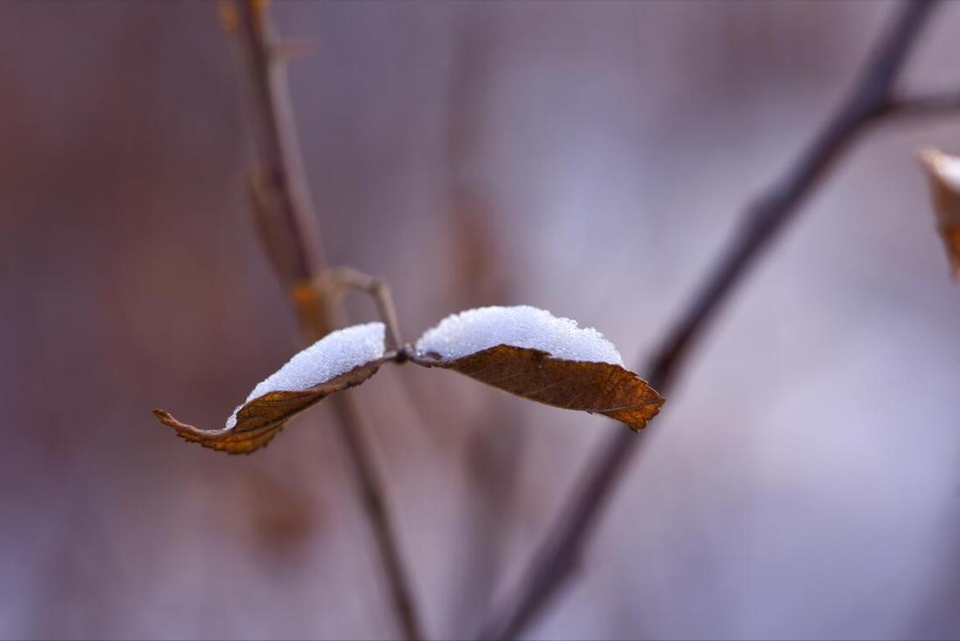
[{"x": 521, "y": 350}]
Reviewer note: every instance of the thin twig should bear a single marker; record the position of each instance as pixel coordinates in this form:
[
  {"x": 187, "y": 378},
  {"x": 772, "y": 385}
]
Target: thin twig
[
  {"x": 332, "y": 282},
  {"x": 868, "y": 102},
  {"x": 931, "y": 105},
  {"x": 290, "y": 231}
]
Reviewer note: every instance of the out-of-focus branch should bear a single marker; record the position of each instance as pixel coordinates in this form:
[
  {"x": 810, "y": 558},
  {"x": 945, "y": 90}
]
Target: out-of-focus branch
[
  {"x": 480, "y": 274},
  {"x": 930, "y": 105},
  {"x": 290, "y": 231},
  {"x": 869, "y": 102},
  {"x": 279, "y": 190}
]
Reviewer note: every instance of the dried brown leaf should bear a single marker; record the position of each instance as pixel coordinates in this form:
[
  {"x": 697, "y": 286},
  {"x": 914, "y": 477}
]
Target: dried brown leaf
[
  {"x": 260, "y": 420},
  {"x": 600, "y": 388},
  {"x": 944, "y": 172}
]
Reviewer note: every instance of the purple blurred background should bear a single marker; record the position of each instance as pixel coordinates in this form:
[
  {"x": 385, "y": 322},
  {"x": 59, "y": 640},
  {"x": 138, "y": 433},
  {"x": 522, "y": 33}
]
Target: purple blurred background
[{"x": 591, "y": 159}]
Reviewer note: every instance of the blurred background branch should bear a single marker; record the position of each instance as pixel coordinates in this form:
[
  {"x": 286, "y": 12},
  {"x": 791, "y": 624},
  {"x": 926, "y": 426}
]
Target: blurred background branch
[
  {"x": 869, "y": 101},
  {"x": 927, "y": 105},
  {"x": 290, "y": 232}
]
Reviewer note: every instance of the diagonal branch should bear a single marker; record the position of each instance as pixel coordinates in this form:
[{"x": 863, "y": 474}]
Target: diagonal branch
[
  {"x": 869, "y": 102},
  {"x": 290, "y": 231},
  {"x": 924, "y": 105}
]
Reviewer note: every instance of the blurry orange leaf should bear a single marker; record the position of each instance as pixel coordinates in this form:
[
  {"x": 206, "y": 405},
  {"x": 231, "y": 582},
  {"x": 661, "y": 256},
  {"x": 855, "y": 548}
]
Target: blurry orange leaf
[
  {"x": 944, "y": 172},
  {"x": 259, "y": 8},
  {"x": 340, "y": 360},
  {"x": 229, "y": 18},
  {"x": 230, "y": 13},
  {"x": 601, "y": 388}
]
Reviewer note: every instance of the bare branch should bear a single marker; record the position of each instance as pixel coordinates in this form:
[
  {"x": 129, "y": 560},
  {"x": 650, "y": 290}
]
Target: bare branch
[
  {"x": 918, "y": 106},
  {"x": 290, "y": 232},
  {"x": 868, "y": 102},
  {"x": 279, "y": 185}
]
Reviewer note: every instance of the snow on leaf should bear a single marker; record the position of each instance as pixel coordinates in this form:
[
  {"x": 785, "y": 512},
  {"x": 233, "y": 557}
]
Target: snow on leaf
[
  {"x": 531, "y": 353},
  {"x": 338, "y": 361},
  {"x": 334, "y": 354},
  {"x": 944, "y": 172},
  {"x": 523, "y": 326}
]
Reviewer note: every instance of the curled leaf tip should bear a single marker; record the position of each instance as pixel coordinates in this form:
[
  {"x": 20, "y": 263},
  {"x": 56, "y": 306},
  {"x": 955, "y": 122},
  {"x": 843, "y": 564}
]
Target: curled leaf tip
[
  {"x": 167, "y": 419},
  {"x": 224, "y": 440}
]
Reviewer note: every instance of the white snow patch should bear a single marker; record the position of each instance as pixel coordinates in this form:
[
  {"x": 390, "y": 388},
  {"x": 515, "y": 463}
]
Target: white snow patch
[
  {"x": 950, "y": 170},
  {"x": 524, "y": 326},
  {"x": 947, "y": 166},
  {"x": 334, "y": 354}
]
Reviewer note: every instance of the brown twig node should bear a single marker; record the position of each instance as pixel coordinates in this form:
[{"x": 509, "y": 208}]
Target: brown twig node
[{"x": 869, "y": 101}]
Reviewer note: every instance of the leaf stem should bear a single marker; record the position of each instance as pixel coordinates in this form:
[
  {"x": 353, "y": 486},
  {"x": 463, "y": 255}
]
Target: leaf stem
[
  {"x": 332, "y": 282},
  {"x": 868, "y": 102},
  {"x": 289, "y": 229}
]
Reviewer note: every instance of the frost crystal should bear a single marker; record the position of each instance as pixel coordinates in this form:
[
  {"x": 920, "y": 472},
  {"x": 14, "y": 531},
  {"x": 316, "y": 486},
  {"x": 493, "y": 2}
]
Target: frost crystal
[
  {"x": 334, "y": 354},
  {"x": 478, "y": 329}
]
